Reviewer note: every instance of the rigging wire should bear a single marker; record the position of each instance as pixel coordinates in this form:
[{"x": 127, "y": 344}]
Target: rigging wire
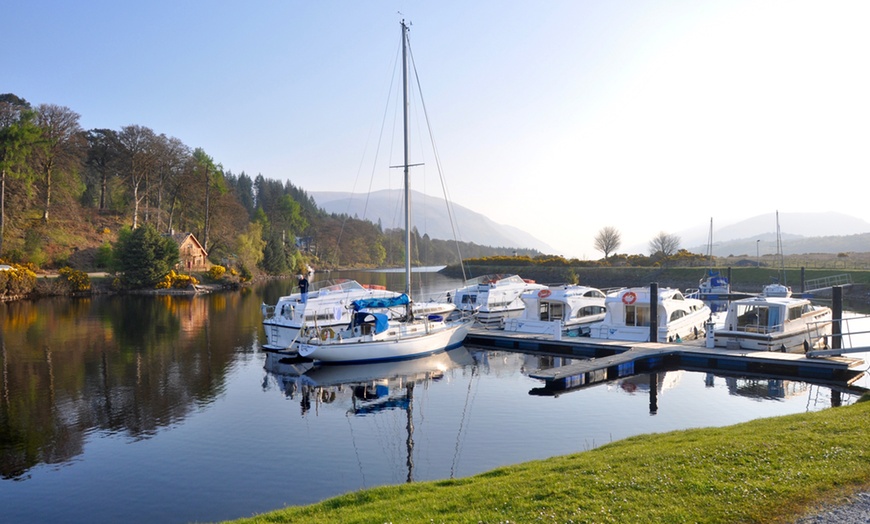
[
  {"x": 390, "y": 92},
  {"x": 450, "y": 211},
  {"x": 356, "y": 450},
  {"x": 465, "y": 412}
]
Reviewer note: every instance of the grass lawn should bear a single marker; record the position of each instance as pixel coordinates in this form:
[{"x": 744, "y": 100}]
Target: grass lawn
[{"x": 768, "y": 470}]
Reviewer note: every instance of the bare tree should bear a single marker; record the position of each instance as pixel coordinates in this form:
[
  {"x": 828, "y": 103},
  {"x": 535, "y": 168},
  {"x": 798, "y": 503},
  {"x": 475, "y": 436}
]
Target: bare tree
[
  {"x": 171, "y": 155},
  {"x": 59, "y": 149},
  {"x": 136, "y": 146},
  {"x": 664, "y": 245},
  {"x": 608, "y": 241}
]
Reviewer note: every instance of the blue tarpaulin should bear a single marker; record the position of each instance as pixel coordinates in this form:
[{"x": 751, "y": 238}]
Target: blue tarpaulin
[
  {"x": 367, "y": 303},
  {"x": 380, "y": 320}
]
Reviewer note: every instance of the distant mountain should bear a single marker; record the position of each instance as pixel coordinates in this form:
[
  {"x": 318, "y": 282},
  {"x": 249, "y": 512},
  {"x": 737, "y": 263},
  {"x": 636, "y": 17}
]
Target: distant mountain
[
  {"x": 429, "y": 215},
  {"x": 801, "y": 233}
]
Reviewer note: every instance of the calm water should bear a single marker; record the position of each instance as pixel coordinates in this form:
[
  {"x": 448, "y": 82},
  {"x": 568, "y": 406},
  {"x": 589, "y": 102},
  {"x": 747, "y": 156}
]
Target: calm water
[{"x": 143, "y": 409}]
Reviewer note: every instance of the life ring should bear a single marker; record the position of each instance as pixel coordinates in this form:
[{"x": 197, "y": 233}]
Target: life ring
[
  {"x": 544, "y": 293},
  {"x": 326, "y": 333},
  {"x": 629, "y": 298}
]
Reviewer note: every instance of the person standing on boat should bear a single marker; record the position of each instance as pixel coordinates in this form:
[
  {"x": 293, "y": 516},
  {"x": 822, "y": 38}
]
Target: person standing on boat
[{"x": 303, "y": 287}]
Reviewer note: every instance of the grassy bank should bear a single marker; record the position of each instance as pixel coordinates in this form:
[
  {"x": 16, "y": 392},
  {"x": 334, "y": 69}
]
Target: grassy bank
[{"x": 768, "y": 470}]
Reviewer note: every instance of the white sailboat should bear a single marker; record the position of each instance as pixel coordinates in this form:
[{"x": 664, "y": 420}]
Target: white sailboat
[{"x": 373, "y": 336}]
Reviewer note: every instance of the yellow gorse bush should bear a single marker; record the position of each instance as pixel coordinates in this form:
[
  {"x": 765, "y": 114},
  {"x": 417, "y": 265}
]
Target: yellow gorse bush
[
  {"x": 18, "y": 281},
  {"x": 177, "y": 281},
  {"x": 76, "y": 280}
]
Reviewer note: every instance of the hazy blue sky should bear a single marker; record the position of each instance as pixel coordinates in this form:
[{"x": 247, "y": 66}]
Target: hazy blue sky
[{"x": 557, "y": 117}]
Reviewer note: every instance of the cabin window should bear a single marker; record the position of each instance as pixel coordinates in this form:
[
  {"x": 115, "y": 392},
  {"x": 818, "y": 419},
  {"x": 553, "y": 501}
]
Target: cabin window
[
  {"x": 589, "y": 311},
  {"x": 758, "y": 319},
  {"x": 636, "y": 316},
  {"x": 795, "y": 313},
  {"x": 676, "y": 315},
  {"x": 469, "y": 299},
  {"x": 556, "y": 312}
]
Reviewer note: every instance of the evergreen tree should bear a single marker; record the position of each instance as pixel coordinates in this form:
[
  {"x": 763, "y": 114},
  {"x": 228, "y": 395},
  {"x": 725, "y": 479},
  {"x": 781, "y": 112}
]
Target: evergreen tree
[{"x": 144, "y": 257}]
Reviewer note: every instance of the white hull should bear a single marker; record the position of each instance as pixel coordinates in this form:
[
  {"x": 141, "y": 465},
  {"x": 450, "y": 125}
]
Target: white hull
[
  {"x": 774, "y": 324},
  {"x": 495, "y": 297},
  {"x": 403, "y": 340},
  {"x": 628, "y": 316},
  {"x": 329, "y": 308},
  {"x": 565, "y": 308}
]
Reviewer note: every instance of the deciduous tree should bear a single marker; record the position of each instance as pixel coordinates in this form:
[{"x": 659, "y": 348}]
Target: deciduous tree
[
  {"x": 137, "y": 162},
  {"x": 608, "y": 241},
  {"x": 59, "y": 150},
  {"x": 664, "y": 245},
  {"x": 18, "y": 133}
]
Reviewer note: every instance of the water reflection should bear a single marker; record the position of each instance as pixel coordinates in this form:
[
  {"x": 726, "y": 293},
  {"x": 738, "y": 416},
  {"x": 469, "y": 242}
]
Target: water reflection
[
  {"x": 138, "y": 398},
  {"x": 122, "y": 365},
  {"x": 357, "y": 386}
]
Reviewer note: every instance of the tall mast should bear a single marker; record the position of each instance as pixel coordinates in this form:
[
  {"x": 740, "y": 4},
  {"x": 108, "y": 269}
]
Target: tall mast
[{"x": 407, "y": 176}]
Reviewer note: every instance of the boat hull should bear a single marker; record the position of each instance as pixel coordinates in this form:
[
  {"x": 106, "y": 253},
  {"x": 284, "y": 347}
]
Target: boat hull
[
  {"x": 400, "y": 343},
  {"x": 774, "y": 323}
]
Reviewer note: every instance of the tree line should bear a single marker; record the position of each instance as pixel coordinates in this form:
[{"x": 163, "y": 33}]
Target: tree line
[{"x": 58, "y": 181}]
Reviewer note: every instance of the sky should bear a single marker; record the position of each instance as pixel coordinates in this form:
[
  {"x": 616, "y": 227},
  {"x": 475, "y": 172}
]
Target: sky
[{"x": 560, "y": 117}]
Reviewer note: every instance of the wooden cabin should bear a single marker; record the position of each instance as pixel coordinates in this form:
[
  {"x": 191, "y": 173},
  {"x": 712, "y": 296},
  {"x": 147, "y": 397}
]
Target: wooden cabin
[{"x": 192, "y": 256}]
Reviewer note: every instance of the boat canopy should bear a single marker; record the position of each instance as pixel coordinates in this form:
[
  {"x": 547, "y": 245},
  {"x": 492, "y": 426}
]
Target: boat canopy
[
  {"x": 715, "y": 279},
  {"x": 380, "y": 302},
  {"x": 380, "y": 320}
]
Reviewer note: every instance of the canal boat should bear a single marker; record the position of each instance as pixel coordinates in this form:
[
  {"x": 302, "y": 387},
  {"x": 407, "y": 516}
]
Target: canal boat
[
  {"x": 568, "y": 308},
  {"x": 628, "y": 316},
  {"x": 494, "y": 297},
  {"x": 774, "y": 322},
  {"x": 373, "y": 336}
]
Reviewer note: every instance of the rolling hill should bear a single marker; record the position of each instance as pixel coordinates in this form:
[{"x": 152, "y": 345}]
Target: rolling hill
[{"x": 430, "y": 216}]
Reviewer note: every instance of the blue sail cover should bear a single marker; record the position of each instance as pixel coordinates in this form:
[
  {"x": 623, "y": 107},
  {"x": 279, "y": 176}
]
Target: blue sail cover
[
  {"x": 716, "y": 280},
  {"x": 366, "y": 303}
]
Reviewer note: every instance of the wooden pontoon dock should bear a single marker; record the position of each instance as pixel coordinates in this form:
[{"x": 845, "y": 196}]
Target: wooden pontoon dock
[{"x": 603, "y": 360}]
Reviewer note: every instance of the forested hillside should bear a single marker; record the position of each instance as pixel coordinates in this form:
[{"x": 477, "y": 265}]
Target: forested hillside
[{"x": 67, "y": 192}]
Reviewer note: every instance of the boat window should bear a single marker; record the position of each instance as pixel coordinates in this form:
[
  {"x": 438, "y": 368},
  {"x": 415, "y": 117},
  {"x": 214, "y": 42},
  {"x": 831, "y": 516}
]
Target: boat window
[
  {"x": 589, "y": 311},
  {"x": 678, "y": 314},
  {"x": 751, "y": 317},
  {"x": 543, "y": 311},
  {"x": 637, "y": 316},
  {"x": 556, "y": 311},
  {"x": 795, "y": 313},
  {"x": 469, "y": 299}
]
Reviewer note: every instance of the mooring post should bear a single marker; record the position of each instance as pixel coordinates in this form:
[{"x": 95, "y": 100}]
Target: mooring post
[
  {"x": 729, "y": 274},
  {"x": 837, "y": 313},
  {"x": 803, "y": 280},
  {"x": 653, "y": 312}
]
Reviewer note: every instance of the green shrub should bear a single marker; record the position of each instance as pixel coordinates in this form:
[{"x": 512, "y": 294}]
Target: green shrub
[{"x": 103, "y": 258}]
